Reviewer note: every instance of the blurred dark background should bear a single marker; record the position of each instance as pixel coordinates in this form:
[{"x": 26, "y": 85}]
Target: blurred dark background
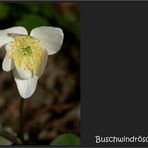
[{"x": 55, "y": 106}]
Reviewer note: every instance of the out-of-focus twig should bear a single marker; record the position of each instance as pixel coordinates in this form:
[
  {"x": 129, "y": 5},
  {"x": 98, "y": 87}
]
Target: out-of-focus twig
[{"x": 10, "y": 137}]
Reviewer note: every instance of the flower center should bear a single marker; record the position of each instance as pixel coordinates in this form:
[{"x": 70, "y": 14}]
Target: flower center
[{"x": 27, "y": 53}]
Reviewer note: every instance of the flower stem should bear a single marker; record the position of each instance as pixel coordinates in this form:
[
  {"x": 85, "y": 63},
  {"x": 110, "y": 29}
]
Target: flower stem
[{"x": 21, "y": 122}]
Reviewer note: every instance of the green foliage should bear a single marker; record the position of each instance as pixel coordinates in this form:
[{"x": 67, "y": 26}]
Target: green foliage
[
  {"x": 8, "y": 132},
  {"x": 71, "y": 23},
  {"x": 32, "y": 7},
  {"x": 66, "y": 140},
  {"x": 31, "y": 15},
  {"x": 4, "y": 141},
  {"x": 48, "y": 11},
  {"x": 31, "y": 21},
  {"x": 4, "y": 8}
]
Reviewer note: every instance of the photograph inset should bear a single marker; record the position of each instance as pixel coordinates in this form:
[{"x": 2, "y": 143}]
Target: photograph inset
[{"x": 40, "y": 74}]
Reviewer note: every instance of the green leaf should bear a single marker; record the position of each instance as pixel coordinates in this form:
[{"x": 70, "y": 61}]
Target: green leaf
[
  {"x": 33, "y": 7},
  {"x": 4, "y": 11},
  {"x": 4, "y": 141},
  {"x": 31, "y": 21},
  {"x": 71, "y": 23},
  {"x": 70, "y": 18},
  {"x": 76, "y": 31},
  {"x": 66, "y": 20},
  {"x": 66, "y": 140},
  {"x": 48, "y": 10}
]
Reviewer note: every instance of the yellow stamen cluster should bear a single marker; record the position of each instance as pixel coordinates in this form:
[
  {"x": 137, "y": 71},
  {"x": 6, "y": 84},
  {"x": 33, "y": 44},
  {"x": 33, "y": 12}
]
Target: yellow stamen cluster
[{"x": 27, "y": 53}]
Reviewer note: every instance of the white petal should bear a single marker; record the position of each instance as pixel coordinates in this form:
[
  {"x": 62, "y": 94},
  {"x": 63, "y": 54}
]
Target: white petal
[
  {"x": 26, "y": 88},
  {"x": 24, "y": 74},
  {"x": 41, "y": 68},
  {"x": 7, "y": 64},
  {"x": 5, "y": 34},
  {"x": 51, "y": 37}
]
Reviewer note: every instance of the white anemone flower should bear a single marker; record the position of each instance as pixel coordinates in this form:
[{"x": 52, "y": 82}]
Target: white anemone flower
[{"x": 26, "y": 55}]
